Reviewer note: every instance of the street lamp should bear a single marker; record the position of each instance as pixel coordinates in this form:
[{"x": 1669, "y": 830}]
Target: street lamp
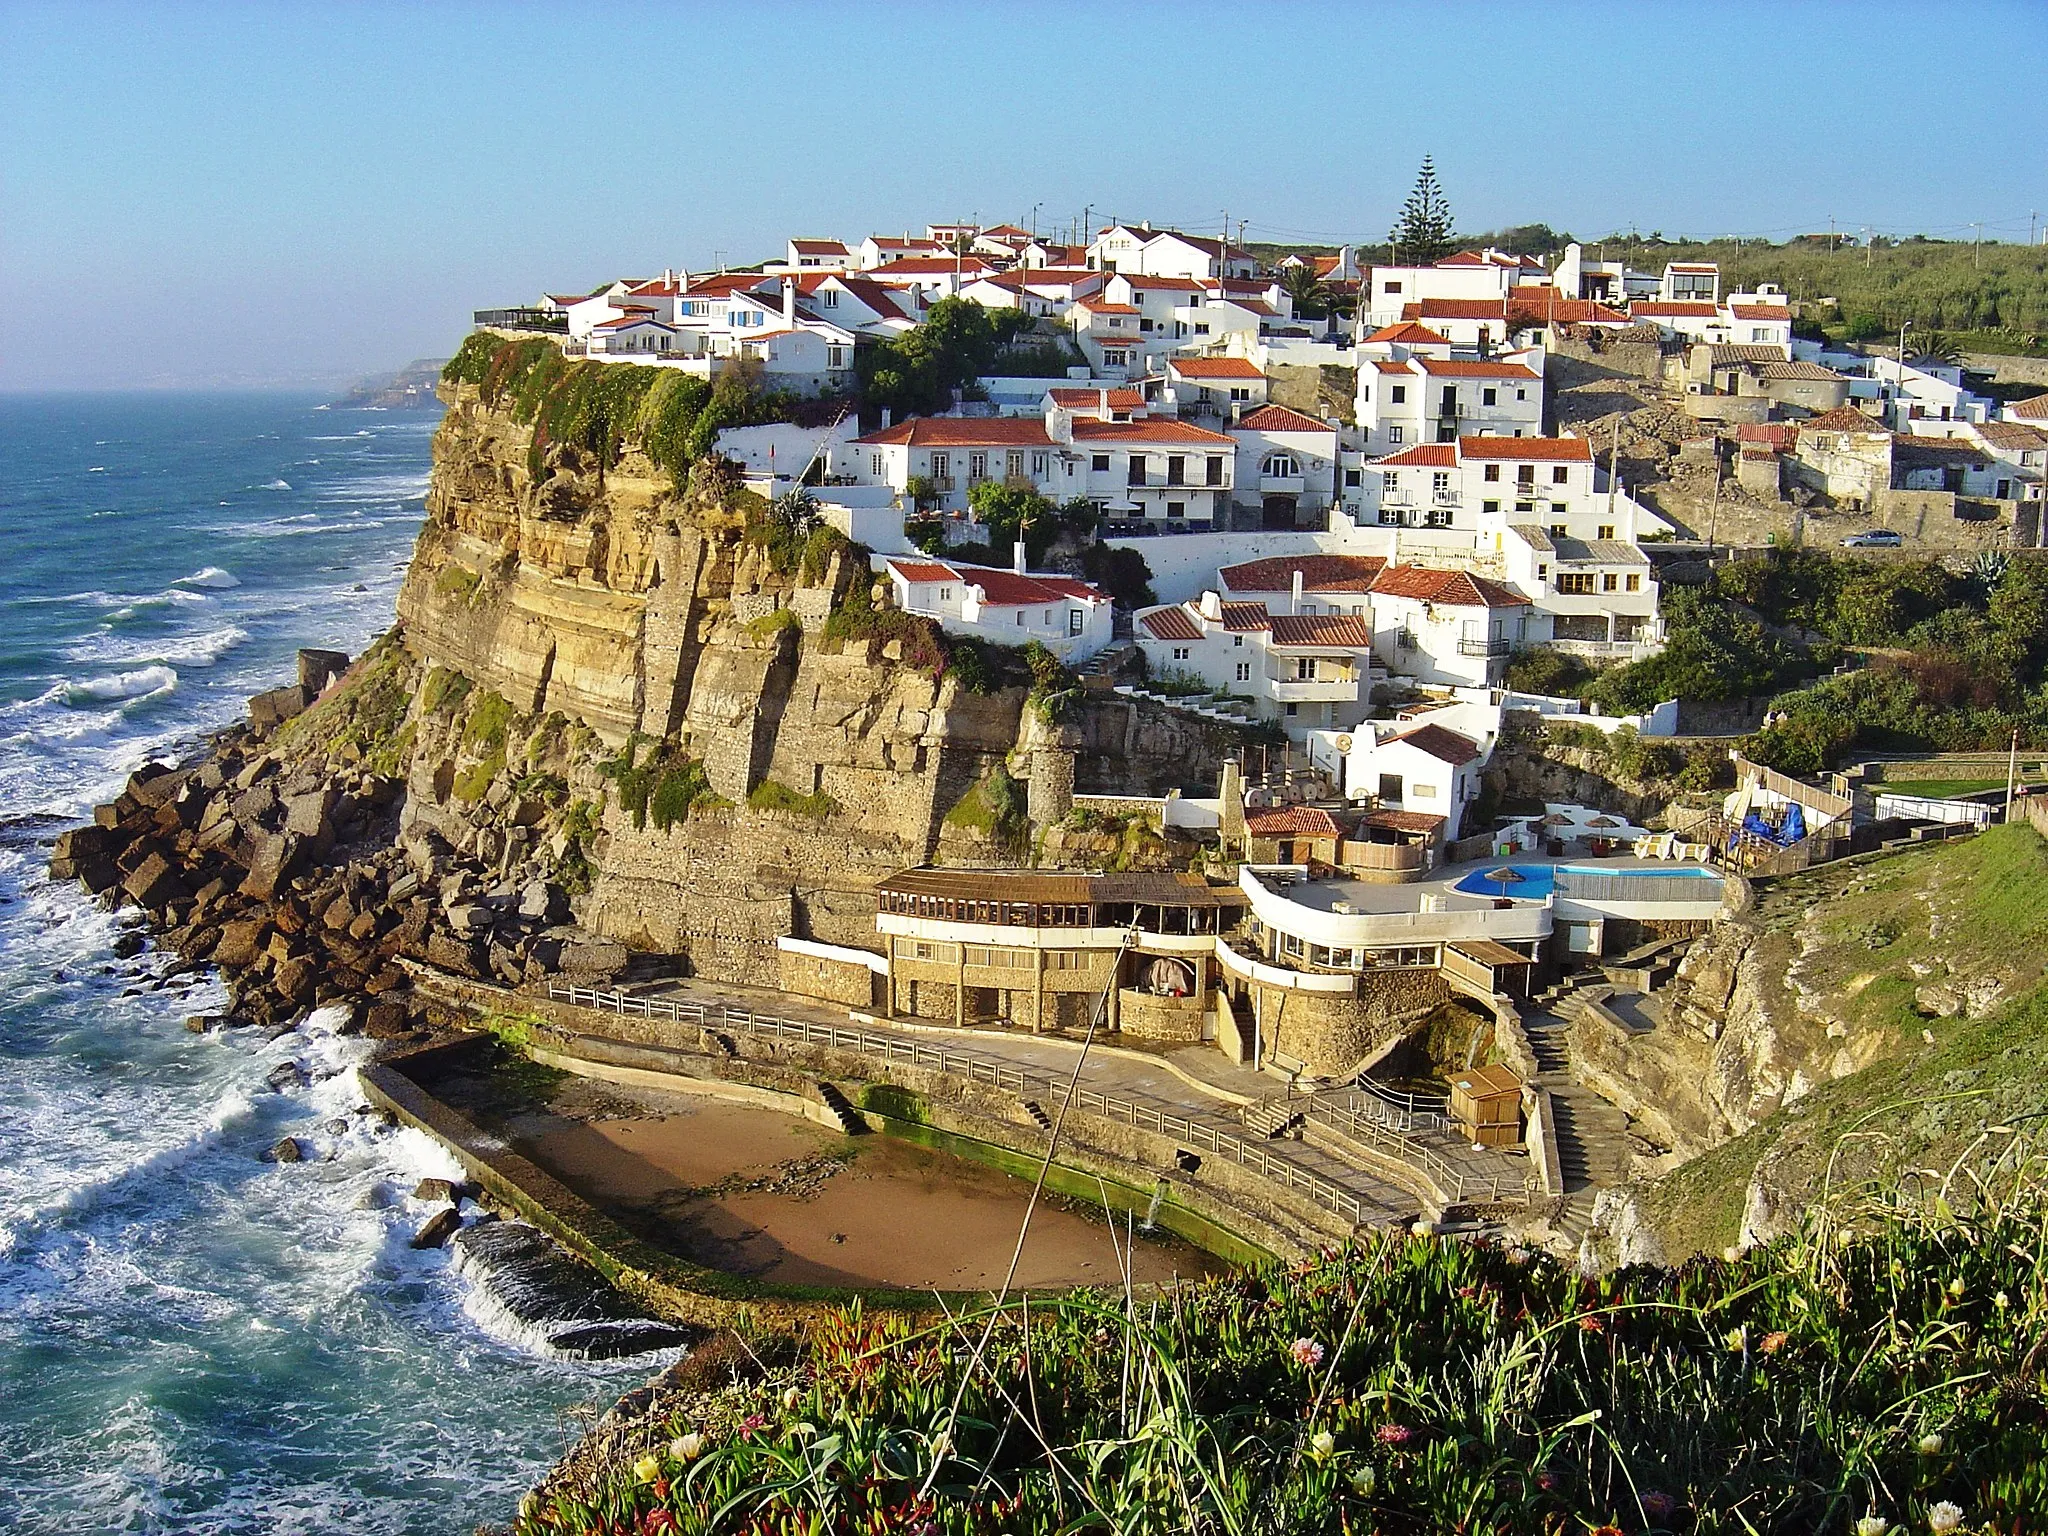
[{"x": 1899, "y": 396}]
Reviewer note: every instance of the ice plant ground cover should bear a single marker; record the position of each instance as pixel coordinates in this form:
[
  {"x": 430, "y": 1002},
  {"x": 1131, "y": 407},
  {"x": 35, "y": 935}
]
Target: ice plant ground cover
[{"x": 1881, "y": 1371}]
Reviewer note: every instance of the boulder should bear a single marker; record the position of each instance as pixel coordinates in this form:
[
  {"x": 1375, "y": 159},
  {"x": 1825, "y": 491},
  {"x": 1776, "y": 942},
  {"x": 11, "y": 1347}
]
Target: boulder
[
  {"x": 363, "y": 927},
  {"x": 318, "y": 668},
  {"x": 270, "y": 865},
  {"x": 286, "y": 1074},
  {"x": 155, "y": 883},
  {"x": 269, "y": 710},
  {"x": 296, "y": 978},
  {"x": 470, "y": 919},
  {"x": 542, "y": 902},
  {"x": 98, "y": 874},
  {"x": 128, "y": 945},
  {"x": 288, "y": 1150},
  {"x": 448, "y": 953},
  {"x": 594, "y": 958},
  {"x": 311, "y": 815},
  {"x": 443, "y": 1191},
  {"x": 241, "y": 942},
  {"x": 387, "y": 1021},
  {"x": 438, "y": 1228},
  {"x": 404, "y": 887}
]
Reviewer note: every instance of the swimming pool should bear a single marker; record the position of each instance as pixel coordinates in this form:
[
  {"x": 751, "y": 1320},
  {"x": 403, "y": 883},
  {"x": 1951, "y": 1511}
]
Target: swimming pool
[{"x": 1537, "y": 881}]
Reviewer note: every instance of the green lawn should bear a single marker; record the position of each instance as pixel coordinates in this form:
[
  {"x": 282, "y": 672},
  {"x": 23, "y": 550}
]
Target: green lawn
[{"x": 1940, "y": 789}]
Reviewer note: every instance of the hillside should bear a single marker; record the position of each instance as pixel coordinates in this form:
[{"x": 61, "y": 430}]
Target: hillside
[{"x": 410, "y": 388}]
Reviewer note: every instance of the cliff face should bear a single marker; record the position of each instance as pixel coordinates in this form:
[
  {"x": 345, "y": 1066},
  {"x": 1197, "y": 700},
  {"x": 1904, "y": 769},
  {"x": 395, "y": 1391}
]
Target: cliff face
[{"x": 646, "y": 619}]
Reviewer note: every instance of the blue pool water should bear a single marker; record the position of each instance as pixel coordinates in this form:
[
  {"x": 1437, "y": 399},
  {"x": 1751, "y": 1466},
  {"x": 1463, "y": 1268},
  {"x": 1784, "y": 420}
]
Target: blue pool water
[{"x": 1539, "y": 880}]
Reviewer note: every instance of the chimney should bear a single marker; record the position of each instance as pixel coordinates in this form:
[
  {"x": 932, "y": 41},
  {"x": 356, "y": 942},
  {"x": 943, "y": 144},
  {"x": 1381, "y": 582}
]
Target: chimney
[
  {"x": 1017, "y": 554},
  {"x": 789, "y": 301},
  {"x": 1297, "y": 591},
  {"x": 886, "y": 414},
  {"x": 1212, "y": 606},
  {"x": 1102, "y": 401}
]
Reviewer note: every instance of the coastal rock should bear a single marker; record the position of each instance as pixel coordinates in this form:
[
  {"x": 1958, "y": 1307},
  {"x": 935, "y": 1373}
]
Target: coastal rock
[
  {"x": 288, "y": 1150},
  {"x": 286, "y": 1074},
  {"x": 271, "y": 709},
  {"x": 444, "y": 1191},
  {"x": 241, "y": 942},
  {"x": 154, "y": 883},
  {"x": 435, "y": 1231},
  {"x": 453, "y": 954}
]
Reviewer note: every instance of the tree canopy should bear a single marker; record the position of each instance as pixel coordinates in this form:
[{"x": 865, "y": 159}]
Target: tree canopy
[
  {"x": 915, "y": 374},
  {"x": 1424, "y": 232}
]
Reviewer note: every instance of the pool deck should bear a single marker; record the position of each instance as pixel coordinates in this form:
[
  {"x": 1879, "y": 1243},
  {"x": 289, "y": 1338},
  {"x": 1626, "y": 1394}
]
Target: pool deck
[{"x": 1365, "y": 896}]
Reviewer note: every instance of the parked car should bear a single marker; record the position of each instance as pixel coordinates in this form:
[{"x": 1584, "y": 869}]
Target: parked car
[{"x": 1873, "y": 538}]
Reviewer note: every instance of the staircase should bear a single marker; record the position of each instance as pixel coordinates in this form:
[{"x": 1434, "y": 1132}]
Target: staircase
[
  {"x": 1037, "y": 1113},
  {"x": 1108, "y": 661},
  {"x": 1271, "y": 1117},
  {"x": 719, "y": 1041},
  {"x": 850, "y": 1119},
  {"x": 1592, "y": 1149}
]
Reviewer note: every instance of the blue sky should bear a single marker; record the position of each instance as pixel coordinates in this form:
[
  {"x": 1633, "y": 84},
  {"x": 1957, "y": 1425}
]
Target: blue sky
[{"x": 215, "y": 194}]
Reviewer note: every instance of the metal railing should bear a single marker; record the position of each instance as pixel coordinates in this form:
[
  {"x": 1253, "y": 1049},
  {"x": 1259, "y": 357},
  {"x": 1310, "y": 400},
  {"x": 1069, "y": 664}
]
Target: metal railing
[
  {"x": 1492, "y": 646},
  {"x": 1355, "y": 1122},
  {"x": 1014, "y": 1079}
]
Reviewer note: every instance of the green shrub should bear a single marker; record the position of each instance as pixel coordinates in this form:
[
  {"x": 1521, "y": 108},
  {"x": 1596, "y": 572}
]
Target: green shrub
[
  {"x": 489, "y": 718},
  {"x": 457, "y": 583},
  {"x": 443, "y": 691},
  {"x": 663, "y": 787},
  {"x": 770, "y": 625},
  {"x": 771, "y": 796}
]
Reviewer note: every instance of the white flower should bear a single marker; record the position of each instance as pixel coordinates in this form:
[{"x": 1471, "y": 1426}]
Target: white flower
[
  {"x": 1323, "y": 1444},
  {"x": 1944, "y": 1517},
  {"x": 942, "y": 1446},
  {"x": 791, "y": 1397},
  {"x": 688, "y": 1448},
  {"x": 1872, "y": 1525},
  {"x": 1362, "y": 1481},
  {"x": 2001, "y": 1301},
  {"x": 804, "y": 1430},
  {"x": 1930, "y": 1444},
  {"x": 1955, "y": 1286}
]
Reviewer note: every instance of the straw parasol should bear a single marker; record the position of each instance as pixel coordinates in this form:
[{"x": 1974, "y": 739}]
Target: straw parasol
[{"x": 1504, "y": 877}]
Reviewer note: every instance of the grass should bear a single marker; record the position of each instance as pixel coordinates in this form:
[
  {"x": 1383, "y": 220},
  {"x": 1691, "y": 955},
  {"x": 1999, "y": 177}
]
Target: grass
[
  {"x": 456, "y": 583},
  {"x": 1967, "y": 909},
  {"x": 1862, "y": 1368},
  {"x": 1940, "y": 789},
  {"x": 771, "y": 796}
]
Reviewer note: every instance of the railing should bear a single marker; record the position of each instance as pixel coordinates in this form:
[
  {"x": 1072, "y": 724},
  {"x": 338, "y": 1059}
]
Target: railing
[
  {"x": 1359, "y": 1123},
  {"x": 522, "y": 320},
  {"x": 1495, "y": 646},
  {"x": 1425, "y": 1109},
  {"x": 1145, "y": 1117}
]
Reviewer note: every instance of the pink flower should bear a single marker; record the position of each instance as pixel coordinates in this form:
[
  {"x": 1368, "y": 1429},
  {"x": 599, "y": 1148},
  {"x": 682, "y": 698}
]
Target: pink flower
[
  {"x": 1393, "y": 1434},
  {"x": 1659, "y": 1506},
  {"x": 1308, "y": 1354}
]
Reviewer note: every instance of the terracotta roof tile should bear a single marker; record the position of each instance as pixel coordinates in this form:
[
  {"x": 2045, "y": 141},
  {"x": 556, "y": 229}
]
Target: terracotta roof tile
[
  {"x": 1000, "y": 587},
  {"x": 1474, "y": 368},
  {"x": 1760, "y": 312},
  {"x": 961, "y": 432},
  {"x": 1445, "y": 745},
  {"x": 1277, "y": 418},
  {"x": 1243, "y": 618},
  {"x": 1567, "y": 450},
  {"x": 1319, "y": 573},
  {"x": 1164, "y": 430},
  {"x": 1346, "y": 630},
  {"x": 1409, "y": 333},
  {"x": 1169, "y": 624},
  {"x": 1845, "y": 418},
  {"x": 1214, "y": 368},
  {"x": 1673, "y": 309},
  {"x": 1454, "y": 589},
  {"x": 1421, "y": 456},
  {"x": 1292, "y": 820},
  {"x": 1455, "y": 309},
  {"x": 922, "y": 570}
]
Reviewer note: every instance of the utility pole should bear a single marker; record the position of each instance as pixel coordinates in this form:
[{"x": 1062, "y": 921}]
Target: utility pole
[
  {"x": 1613, "y": 464},
  {"x": 1866, "y": 247},
  {"x": 2012, "y": 764},
  {"x": 1714, "y": 506},
  {"x": 1831, "y": 234},
  {"x": 1977, "y": 250},
  {"x": 1899, "y": 395}
]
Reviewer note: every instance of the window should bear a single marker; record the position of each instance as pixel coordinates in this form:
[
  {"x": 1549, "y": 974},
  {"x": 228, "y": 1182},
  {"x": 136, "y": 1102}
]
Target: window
[
  {"x": 1525, "y": 474},
  {"x": 977, "y": 466},
  {"x": 1293, "y": 710},
  {"x": 945, "y": 594},
  {"x": 875, "y": 464},
  {"x": 1237, "y": 640},
  {"x": 1136, "y": 476},
  {"x": 1039, "y": 465},
  {"x": 1422, "y": 791},
  {"x": 1216, "y": 471},
  {"x": 1609, "y": 582},
  {"x": 1353, "y": 479},
  {"x": 1365, "y": 393},
  {"x": 1392, "y": 288},
  {"x": 1398, "y": 393},
  {"x": 1176, "y": 469},
  {"x": 1437, "y": 517},
  {"x": 1489, "y": 397},
  {"x": 1760, "y": 333},
  {"x": 1304, "y": 669},
  {"x": 1099, "y": 463},
  {"x": 1176, "y": 509},
  {"x": 1244, "y": 671},
  {"x": 1281, "y": 466},
  {"x": 1575, "y": 585},
  {"x": 1393, "y": 434},
  {"x": 829, "y": 297},
  {"x": 1635, "y": 582},
  {"x": 1525, "y": 506},
  {"x": 1013, "y": 464},
  {"x": 1180, "y": 653},
  {"x": 1493, "y": 472},
  {"x": 1607, "y": 530},
  {"x": 1490, "y": 508},
  {"x": 1201, "y": 328},
  {"x": 1521, "y": 394},
  {"x": 835, "y": 357},
  {"x": 1390, "y": 481},
  {"x": 1560, "y": 475},
  {"x": 1440, "y": 482},
  {"x": 1077, "y": 620},
  {"x": 1557, "y": 530},
  {"x": 942, "y": 465},
  {"x": 1542, "y": 571}
]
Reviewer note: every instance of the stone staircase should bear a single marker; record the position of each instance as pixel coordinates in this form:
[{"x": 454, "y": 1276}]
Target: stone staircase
[
  {"x": 1271, "y": 1117},
  {"x": 1592, "y": 1146},
  {"x": 1109, "y": 661},
  {"x": 1037, "y": 1113},
  {"x": 850, "y": 1119}
]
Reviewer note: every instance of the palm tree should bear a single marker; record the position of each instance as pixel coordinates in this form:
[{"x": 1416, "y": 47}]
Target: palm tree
[
  {"x": 1936, "y": 347},
  {"x": 1311, "y": 295}
]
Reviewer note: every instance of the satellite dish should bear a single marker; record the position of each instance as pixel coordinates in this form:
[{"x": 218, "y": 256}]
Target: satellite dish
[{"x": 1344, "y": 744}]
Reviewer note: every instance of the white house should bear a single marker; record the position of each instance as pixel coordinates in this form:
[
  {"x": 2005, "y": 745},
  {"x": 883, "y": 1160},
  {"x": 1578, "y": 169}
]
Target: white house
[
  {"x": 1445, "y": 628},
  {"x": 818, "y": 255},
  {"x": 1303, "y": 672},
  {"x": 1068, "y": 616},
  {"x": 1925, "y": 392},
  {"x": 1469, "y": 276},
  {"x": 1286, "y": 466},
  {"x": 1305, "y": 584},
  {"x": 955, "y": 453},
  {"x": 1168, "y": 253},
  {"x": 859, "y": 304},
  {"x": 879, "y": 250},
  {"x": 1691, "y": 282},
  {"x": 635, "y": 332},
  {"x": 1214, "y": 386},
  {"x": 1428, "y": 768},
  {"x": 1411, "y": 396},
  {"x": 2021, "y": 452}
]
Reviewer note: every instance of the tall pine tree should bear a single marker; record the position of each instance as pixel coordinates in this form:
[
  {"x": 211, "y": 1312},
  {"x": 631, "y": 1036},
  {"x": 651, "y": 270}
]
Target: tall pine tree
[{"x": 1423, "y": 232}]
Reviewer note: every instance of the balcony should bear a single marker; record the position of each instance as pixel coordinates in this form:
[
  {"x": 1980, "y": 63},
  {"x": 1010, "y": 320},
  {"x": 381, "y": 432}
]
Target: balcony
[
  {"x": 1282, "y": 485},
  {"x": 523, "y": 320},
  {"x": 1321, "y": 690},
  {"x": 942, "y": 485},
  {"x": 1495, "y": 646}
]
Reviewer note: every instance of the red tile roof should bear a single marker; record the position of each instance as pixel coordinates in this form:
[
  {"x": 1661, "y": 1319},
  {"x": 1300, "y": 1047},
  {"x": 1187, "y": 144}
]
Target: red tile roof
[
  {"x": 1178, "y": 284},
  {"x": 1446, "y": 746},
  {"x": 723, "y": 285},
  {"x": 922, "y": 570},
  {"x": 1474, "y": 368},
  {"x": 1760, "y": 312},
  {"x": 1568, "y": 450},
  {"x": 961, "y": 432},
  {"x": 1454, "y": 589},
  {"x": 819, "y": 247},
  {"x": 1322, "y": 630},
  {"x": 2032, "y": 409},
  {"x": 1214, "y": 368},
  {"x": 1778, "y": 434},
  {"x": 1456, "y": 309},
  {"x": 930, "y": 266},
  {"x": 1319, "y": 573},
  {"x": 1674, "y": 310},
  {"x": 1170, "y": 624},
  {"x": 1480, "y": 259},
  {"x": 1104, "y": 307},
  {"x": 1845, "y": 418},
  {"x": 1277, "y": 418},
  {"x": 1292, "y": 820},
  {"x": 1402, "y": 821},
  {"x": 1408, "y": 333},
  {"x": 1548, "y": 305},
  {"x": 1242, "y": 618},
  {"x": 1162, "y": 431},
  {"x": 1072, "y": 396},
  {"x": 1421, "y": 456},
  {"x": 1000, "y": 588},
  {"x": 1386, "y": 365}
]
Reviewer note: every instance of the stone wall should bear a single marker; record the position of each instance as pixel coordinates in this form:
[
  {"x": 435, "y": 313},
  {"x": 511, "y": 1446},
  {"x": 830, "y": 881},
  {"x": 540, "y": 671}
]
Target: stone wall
[
  {"x": 851, "y": 982},
  {"x": 1160, "y": 1018},
  {"x": 1332, "y": 1032}
]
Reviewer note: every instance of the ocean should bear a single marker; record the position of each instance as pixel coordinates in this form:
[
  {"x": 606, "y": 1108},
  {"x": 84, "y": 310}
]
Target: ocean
[{"x": 193, "y": 1339}]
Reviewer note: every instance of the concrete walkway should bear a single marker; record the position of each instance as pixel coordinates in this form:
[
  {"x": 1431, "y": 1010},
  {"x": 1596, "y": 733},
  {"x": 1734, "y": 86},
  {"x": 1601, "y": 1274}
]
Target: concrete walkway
[{"x": 1194, "y": 1082}]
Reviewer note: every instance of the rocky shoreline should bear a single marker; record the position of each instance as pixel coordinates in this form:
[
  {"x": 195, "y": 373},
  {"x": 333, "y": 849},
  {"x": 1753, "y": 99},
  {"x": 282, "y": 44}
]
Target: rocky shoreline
[{"x": 295, "y": 877}]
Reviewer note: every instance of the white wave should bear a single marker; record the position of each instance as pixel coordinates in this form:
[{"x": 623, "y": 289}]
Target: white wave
[
  {"x": 201, "y": 650},
  {"x": 97, "y": 469},
  {"x": 211, "y": 576},
  {"x": 275, "y": 485},
  {"x": 141, "y": 683}
]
